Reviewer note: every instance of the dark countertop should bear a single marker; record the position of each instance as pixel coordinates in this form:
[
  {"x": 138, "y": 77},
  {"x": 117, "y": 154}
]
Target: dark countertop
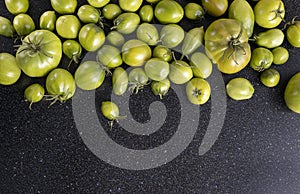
[{"x": 257, "y": 151}]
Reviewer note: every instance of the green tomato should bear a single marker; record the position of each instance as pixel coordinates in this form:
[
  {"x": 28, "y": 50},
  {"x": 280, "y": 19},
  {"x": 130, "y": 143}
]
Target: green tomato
[
  {"x": 293, "y": 34},
  {"x": 157, "y": 69},
  {"x": 192, "y": 40},
  {"x": 146, "y": 13},
  {"x": 201, "y": 65},
  {"x": 168, "y": 11},
  {"x": 270, "y": 77},
  {"x": 115, "y": 38},
  {"x": 89, "y": 14},
  {"x": 119, "y": 81},
  {"x": 48, "y": 20},
  {"x": 180, "y": 72},
  {"x": 226, "y": 43},
  {"x": 34, "y": 93},
  {"x": 292, "y": 93},
  {"x": 64, "y": 6},
  {"x": 60, "y": 85},
  {"x": 111, "y": 11},
  {"x": 148, "y": 33},
  {"x": 194, "y": 11},
  {"x": 162, "y": 52},
  {"x": 239, "y": 89},
  {"x": 109, "y": 56},
  {"x": 269, "y": 14},
  {"x": 280, "y": 55},
  {"x": 89, "y": 75},
  {"x": 137, "y": 79},
  {"x": 69, "y": 22},
  {"x": 91, "y": 37},
  {"x": 242, "y": 11},
  {"x": 110, "y": 110},
  {"x": 215, "y": 8},
  {"x": 198, "y": 91},
  {"x": 261, "y": 59},
  {"x": 171, "y": 35},
  {"x": 40, "y": 52},
  {"x": 130, "y": 5},
  {"x": 126, "y": 23},
  {"x": 9, "y": 69},
  {"x": 98, "y": 3},
  {"x": 152, "y": 1},
  {"x": 160, "y": 88},
  {"x": 6, "y": 27},
  {"x": 17, "y": 6},
  {"x": 135, "y": 52},
  {"x": 23, "y": 24},
  {"x": 73, "y": 50},
  {"x": 270, "y": 39}
]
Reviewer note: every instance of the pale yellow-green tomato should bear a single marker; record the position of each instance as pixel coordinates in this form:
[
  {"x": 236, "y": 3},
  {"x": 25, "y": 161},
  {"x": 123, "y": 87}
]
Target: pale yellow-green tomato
[
  {"x": 198, "y": 91},
  {"x": 10, "y": 72},
  {"x": 270, "y": 77},
  {"x": 280, "y": 55},
  {"x": 160, "y": 88},
  {"x": 34, "y": 93},
  {"x": 48, "y": 20},
  {"x": 201, "y": 65},
  {"x": 110, "y": 110},
  {"x": 239, "y": 89},
  {"x": 180, "y": 72}
]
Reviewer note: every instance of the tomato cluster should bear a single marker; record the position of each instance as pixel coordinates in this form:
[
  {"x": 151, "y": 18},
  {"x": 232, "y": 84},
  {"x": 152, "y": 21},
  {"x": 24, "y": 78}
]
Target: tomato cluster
[{"x": 137, "y": 40}]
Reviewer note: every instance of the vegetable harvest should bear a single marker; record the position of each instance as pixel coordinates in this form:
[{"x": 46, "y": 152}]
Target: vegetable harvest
[{"x": 147, "y": 37}]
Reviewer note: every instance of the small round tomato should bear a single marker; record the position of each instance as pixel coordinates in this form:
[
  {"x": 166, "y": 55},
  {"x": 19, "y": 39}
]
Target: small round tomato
[
  {"x": 201, "y": 65},
  {"x": 119, "y": 81},
  {"x": 146, "y": 13},
  {"x": 98, "y": 3},
  {"x": 9, "y": 69},
  {"x": 239, "y": 89},
  {"x": 171, "y": 35},
  {"x": 215, "y": 8},
  {"x": 135, "y": 52},
  {"x": 292, "y": 93},
  {"x": 115, "y": 38},
  {"x": 270, "y": 77},
  {"x": 23, "y": 24},
  {"x": 226, "y": 43},
  {"x": 6, "y": 27},
  {"x": 17, "y": 6},
  {"x": 69, "y": 22},
  {"x": 293, "y": 33},
  {"x": 269, "y": 14},
  {"x": 126, "y": 23},
  {"x": 270, "y": 39},
  {"x": 160, "y": 88},
  {"x": 198, "y": 91},
  {"x": 194, "y": 11},
  {"x": 40, "y": 52},
  {"x": 192, "y": 40},
  {"x": 280, "y": 55},
  {"x": 64, "y": 6},
  {"x": 89, "y": 75},
  {"x": 110, "y": 110},
  {"x": 162, "y": 52},
  {"x": 261, "y": 59},
  {"x": 48, "y": 20},
  {"x": 180, "y": 72},
  {"x": 168, "y": 11},
  {"x": 73, "y": 50},
  {"x": 157, "y": 69},
  {"x": 130, "y": 5},
  {"x": 91, "y": 37},
  {"x": 34, "y": 93},
  {"x": 109, "y": 56},
  {"x": 60, "y": 85},
  {"x": 148, "y": 33},
  {"x": 137, "y": 79},
  {"x": 89, "y": 14},
  {"x": 111, "y": 11}
]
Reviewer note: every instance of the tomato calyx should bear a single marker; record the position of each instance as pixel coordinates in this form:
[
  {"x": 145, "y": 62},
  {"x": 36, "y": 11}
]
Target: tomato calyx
[
  {"x": 278, "y": 13},
  {"x": 34, "y": 48},
  {"x": 62, "y": 98},
  {"x": 292, "y": 22},
  {"x": 135, "y": 87},
  {"x": 234, "y": 44}
]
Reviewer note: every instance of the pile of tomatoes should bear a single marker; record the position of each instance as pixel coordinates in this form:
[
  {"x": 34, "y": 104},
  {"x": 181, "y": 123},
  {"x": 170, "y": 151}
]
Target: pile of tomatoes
[{"x": 142, "y": 47}]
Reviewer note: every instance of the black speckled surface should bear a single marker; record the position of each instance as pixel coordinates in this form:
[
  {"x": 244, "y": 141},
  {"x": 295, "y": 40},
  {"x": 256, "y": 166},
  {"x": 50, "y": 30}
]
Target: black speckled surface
[{"x": 258, "y": 150}]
